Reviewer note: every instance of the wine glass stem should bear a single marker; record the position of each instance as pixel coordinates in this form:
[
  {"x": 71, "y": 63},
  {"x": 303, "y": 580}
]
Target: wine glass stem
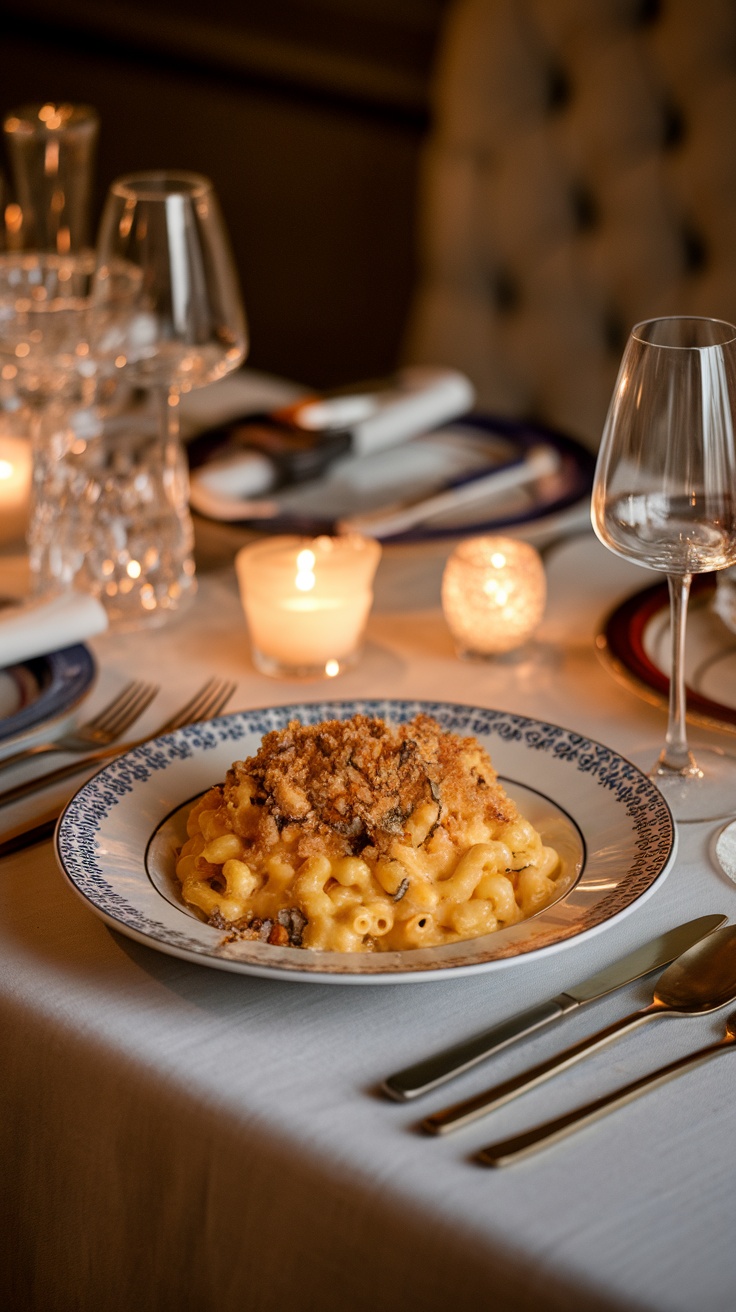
[
  {"x": 168, "y": 414},
  {"x": 676, "y": 757}
]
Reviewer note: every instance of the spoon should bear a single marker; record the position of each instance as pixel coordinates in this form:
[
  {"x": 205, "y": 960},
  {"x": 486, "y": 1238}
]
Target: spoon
[
  {"x": 700, "y": 980},
  {"x": 522, "y": 1145}
]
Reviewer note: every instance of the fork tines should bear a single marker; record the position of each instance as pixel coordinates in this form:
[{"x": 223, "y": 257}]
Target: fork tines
[
  {"x": 208, "y": 701},
  {"x": 131, "y": 702}
]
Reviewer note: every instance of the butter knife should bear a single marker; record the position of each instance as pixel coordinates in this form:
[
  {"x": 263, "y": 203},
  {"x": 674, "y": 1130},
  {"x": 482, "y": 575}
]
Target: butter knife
[
  {"x": 537, "y": 463},
  {"x": 433, "y": 1071},
  {"x": 19, "y": 839}
]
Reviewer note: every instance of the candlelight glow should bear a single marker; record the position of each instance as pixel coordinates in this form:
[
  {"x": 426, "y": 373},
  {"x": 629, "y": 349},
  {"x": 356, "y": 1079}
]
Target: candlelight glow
[
  {"x": 307, "y": 603},
  {"x": 493, "y": 595},
  {"x": 305, "y": 578}
]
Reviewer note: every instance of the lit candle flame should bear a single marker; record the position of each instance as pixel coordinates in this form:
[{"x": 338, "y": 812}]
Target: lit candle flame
[{"x": 305, "y": 576}]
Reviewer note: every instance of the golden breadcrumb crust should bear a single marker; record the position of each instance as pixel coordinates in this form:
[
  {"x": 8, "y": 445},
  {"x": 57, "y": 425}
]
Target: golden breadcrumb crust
[{"x": 342, "y": 786}]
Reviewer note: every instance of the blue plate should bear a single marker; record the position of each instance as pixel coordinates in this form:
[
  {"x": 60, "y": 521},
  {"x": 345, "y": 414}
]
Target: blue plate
[
  {"x": 118, "y": 837},
  {"x": 317, "y": 506},
  {"x": 48, "y": 687}
]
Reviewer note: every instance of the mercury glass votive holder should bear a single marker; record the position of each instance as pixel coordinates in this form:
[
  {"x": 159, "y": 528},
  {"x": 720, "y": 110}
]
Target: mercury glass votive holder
[
  {"x": 307, "y": 601},
  {"x": 493, "y": 595}
]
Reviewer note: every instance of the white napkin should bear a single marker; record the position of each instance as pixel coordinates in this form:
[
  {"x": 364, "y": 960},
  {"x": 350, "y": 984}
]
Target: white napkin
[{"x": 38, "y": 627}]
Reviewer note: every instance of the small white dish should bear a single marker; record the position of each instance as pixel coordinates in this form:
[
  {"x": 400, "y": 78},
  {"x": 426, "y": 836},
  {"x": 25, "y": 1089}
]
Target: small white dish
[
  {"x": 724, "y": 850},
  {"x": 117, "y": 838}
]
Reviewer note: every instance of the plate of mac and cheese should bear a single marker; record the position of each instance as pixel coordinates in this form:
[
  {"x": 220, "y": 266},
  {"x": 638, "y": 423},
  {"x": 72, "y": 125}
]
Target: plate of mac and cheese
[{"x": 372, "y": 841}]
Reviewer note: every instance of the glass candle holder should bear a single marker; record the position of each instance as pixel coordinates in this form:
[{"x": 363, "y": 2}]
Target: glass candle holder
[
  {"x": 15, "y": 482},
  {"x": 493, "y": 595},
  {"x": 307, "y": 601}
]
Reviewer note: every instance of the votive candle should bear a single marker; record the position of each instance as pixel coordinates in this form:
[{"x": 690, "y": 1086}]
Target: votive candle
[
  {"x": 15, "y": 485},
  {"x": 493, "y": 595},
  {"x": 306, "y": 601}
]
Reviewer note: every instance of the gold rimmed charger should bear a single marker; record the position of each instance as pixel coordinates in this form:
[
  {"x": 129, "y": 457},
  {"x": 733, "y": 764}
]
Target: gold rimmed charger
[{"x": 632, "y": 642}]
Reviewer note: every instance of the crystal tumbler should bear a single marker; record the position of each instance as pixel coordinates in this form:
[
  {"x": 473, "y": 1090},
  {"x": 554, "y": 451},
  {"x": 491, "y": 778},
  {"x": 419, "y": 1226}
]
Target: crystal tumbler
[{"x": 110, "y": 515}]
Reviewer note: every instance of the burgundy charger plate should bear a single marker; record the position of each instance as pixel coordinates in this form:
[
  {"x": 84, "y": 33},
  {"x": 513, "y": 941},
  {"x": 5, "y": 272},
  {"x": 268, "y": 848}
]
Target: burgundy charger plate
[{"x": 621, "y": 647}]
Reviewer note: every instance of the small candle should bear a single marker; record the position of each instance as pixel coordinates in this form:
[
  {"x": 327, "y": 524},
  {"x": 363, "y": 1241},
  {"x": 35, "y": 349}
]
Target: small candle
[
  {"x": 493, "y": 595},
  {"x": 307, "y": 602},
  {"x": 15, "y": 486}
]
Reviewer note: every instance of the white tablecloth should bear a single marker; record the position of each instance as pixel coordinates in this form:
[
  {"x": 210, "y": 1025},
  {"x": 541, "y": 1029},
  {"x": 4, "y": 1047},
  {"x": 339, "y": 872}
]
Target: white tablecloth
[{"x": 174, "y": 1136}]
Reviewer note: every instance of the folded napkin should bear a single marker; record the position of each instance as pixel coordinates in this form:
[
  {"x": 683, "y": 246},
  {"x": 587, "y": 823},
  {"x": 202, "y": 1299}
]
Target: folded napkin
[{"x": 38, "y": 627}]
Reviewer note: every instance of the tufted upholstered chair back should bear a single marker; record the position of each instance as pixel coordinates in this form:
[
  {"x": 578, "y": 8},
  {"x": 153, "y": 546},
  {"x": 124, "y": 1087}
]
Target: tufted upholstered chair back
[{"x": 580, "y": 176}]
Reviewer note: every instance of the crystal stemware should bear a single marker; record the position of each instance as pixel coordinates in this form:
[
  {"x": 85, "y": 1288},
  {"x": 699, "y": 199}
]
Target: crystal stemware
[
  {"x": 664, "y": 497},
  {"x": 58, "y": 353},
  {"x": 51, "y": 148},
  {"x": 188, "y": 327}
]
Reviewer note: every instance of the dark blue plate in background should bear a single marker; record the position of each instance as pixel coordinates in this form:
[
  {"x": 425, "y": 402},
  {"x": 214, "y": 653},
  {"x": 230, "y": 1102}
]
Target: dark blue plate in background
[
  {"x": 46, "y": 688},
  {"x": 315, "y": 507}
]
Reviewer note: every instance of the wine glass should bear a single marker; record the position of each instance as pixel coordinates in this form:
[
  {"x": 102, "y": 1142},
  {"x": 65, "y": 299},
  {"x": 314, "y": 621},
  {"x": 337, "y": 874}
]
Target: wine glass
[
  {"x": 51, "y": 149},
  {"x": 188, "y": 327},
  {"x": 664, "y": 496}
]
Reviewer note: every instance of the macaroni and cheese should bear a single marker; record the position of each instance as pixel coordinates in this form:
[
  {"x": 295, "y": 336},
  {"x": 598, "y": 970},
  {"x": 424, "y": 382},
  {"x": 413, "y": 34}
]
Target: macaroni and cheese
[{"x": 358, "y": 836}]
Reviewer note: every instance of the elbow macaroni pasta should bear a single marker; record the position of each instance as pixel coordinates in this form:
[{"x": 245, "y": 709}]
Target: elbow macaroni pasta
[{"x": 274, "y": 854}]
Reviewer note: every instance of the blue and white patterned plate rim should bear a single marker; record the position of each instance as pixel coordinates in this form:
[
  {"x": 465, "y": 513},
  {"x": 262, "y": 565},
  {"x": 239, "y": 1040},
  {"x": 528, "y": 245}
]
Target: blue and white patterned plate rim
[
  {"x": 64, "y": 678},
  {"x": 626, "y": 827}
]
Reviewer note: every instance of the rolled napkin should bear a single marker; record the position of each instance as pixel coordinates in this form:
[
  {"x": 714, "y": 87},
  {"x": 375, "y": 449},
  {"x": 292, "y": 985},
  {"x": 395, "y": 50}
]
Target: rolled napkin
[{"x": 37, "y": 627}]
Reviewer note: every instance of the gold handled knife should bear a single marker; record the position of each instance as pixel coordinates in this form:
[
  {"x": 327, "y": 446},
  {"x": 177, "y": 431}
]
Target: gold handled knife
[{"x": 443, "y": 1066}]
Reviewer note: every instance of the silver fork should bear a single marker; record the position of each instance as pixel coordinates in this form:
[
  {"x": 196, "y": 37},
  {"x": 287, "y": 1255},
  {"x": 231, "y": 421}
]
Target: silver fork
[
  {"x": 101, "y": 730},
  {"x": 211, "y": 698}
]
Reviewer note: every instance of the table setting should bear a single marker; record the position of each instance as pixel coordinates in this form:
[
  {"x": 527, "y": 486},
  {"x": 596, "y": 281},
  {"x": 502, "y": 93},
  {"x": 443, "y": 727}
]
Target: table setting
[{"x": 225, "y": 1093}]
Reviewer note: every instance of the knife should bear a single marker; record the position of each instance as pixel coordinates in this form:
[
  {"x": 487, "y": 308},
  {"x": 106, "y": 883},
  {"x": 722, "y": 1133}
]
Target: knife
[
  {"x": 428, "y": 1074},
  {"x": 18, "y": 839},
  {"x": 536, "y": 463},
  {"x": 234, "y": 465}
]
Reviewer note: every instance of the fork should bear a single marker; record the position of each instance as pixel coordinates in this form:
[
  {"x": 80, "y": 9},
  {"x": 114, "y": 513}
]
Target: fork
[
  {"x": 211, "y": 698},
  {"x": 101, "y": 730}
]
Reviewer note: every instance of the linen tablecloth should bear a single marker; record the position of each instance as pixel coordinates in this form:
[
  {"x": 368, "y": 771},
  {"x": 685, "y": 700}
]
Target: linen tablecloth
[{"x": 174, "y": 1136}]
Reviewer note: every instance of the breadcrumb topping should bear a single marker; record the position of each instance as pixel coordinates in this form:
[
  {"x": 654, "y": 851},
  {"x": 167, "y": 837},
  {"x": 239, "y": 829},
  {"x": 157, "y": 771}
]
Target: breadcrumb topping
[{"x": 346, "y": 785}]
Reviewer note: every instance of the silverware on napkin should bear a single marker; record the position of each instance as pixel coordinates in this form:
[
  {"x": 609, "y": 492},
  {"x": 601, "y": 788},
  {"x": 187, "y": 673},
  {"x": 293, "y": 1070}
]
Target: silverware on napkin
[
  {"x": 430, "y": 1073},
  {"x": 234, "y": 465}
]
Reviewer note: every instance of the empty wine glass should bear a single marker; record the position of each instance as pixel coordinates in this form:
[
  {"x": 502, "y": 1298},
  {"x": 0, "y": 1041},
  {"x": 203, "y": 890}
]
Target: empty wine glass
[
  {"x": 51, "y": 149},
  {"x": 664, "y": 497},
  {"x": 188, "y": 327}
]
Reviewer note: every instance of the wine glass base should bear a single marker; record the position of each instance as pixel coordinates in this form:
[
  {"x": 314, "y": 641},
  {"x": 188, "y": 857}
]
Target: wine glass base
[{"x": 707, "y": 795}]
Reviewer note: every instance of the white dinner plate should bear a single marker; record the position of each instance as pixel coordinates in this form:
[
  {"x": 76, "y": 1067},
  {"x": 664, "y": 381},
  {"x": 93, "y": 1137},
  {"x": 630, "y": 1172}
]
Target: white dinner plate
[{"x": 117, "y": 839}]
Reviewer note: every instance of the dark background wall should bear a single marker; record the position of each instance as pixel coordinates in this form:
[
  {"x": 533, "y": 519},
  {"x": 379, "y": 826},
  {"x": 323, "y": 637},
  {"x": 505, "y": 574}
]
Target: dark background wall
[{"x": 309, "y": 116}]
